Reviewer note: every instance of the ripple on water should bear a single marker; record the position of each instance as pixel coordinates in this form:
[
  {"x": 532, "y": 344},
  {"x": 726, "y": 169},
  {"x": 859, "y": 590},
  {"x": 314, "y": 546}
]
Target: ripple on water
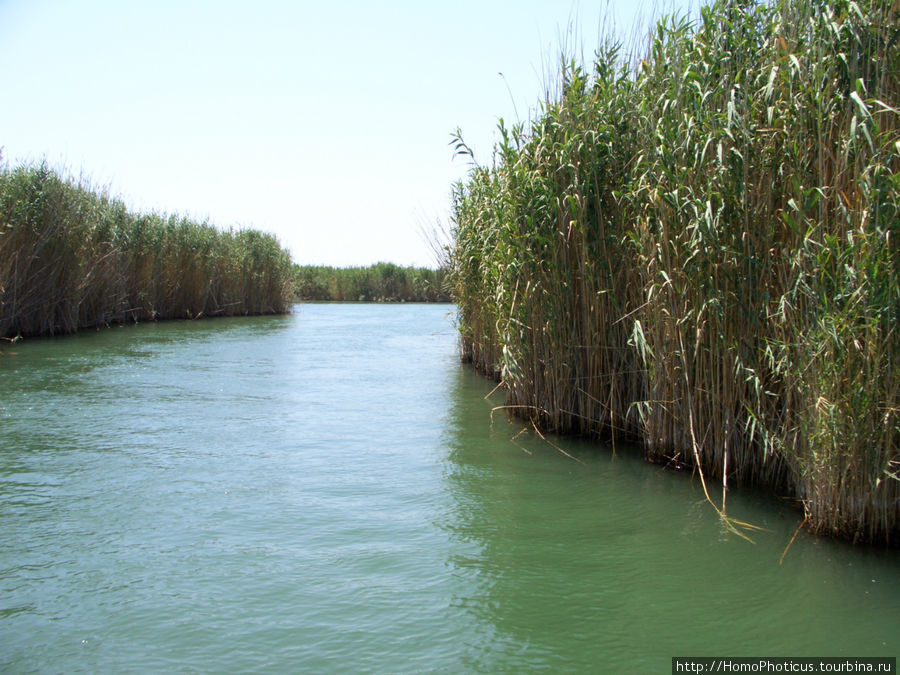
[{"x": 326, "y": 492}]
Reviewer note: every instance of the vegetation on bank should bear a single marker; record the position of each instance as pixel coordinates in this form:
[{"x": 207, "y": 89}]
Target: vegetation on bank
[
  {"x": 700, "y": 249},
  {"x": 72, "y": 257},
  {"x": 382, "y": 282}
]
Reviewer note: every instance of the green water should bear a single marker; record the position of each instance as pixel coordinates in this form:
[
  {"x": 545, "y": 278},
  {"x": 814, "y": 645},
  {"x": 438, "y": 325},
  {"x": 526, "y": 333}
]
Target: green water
[{"x": 326, "y": 492}]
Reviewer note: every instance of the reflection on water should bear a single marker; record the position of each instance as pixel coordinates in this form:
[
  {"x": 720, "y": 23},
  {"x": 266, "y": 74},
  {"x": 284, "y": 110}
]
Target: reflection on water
[
  {"x": 621, "y": 563},
  {"x": 326, "y": 492}
]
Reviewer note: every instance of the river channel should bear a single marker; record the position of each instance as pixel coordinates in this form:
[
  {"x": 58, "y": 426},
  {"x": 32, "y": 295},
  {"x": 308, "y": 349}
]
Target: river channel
[{"x": 329, "y": 492}]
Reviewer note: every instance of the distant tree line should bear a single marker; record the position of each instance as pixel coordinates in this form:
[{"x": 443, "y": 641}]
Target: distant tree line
[
  {"x": 381, "y": 282},
  {"x": 72, "y": 257}
]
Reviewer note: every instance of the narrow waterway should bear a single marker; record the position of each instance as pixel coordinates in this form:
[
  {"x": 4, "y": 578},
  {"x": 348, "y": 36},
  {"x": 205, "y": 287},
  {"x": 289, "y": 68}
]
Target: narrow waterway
[{"x": 328, "y": 492}]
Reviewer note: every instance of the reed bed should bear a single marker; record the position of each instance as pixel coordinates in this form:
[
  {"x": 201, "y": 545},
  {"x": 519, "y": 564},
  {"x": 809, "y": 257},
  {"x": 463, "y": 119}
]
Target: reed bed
[
  {"x": 72, "y": 257},
  {"x": 698, "y": 249},
  {"x": 381, "y": 282}
]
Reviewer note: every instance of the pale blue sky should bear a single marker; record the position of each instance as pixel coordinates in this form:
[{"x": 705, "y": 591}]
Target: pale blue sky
[{"x": 324, "y": 123}]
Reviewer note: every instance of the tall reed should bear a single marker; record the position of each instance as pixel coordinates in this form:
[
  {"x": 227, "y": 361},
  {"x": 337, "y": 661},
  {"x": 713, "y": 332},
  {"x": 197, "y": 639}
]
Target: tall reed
[
  {"x": 698, "y": 249},
  {"x": 72, "y": 257}
]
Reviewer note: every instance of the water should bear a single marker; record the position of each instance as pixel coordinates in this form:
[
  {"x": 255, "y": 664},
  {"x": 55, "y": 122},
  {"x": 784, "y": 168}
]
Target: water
[{"x": 327, "y": 492}]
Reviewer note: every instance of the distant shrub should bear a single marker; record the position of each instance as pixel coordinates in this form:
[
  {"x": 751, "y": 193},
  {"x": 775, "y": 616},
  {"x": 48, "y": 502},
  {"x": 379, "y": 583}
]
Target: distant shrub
[{"x": 381, "y": 282}]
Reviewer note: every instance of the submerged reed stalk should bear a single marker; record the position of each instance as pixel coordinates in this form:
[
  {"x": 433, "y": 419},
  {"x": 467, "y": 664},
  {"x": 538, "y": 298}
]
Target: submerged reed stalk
[{"x": 699, "y": 250}]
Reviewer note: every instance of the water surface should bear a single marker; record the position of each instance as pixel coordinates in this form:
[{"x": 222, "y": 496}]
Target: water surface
[{"x": 328, "y": 491}]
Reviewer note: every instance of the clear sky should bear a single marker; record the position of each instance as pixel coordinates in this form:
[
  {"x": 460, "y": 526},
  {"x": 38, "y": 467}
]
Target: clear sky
[{"x": 325, "y": 123}]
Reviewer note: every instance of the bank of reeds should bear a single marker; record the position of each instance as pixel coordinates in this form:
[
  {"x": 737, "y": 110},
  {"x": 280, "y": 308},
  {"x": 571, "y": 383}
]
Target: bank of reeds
[
  {"x": 698, "y": 249},
  {"x": 381, "y": 282},
  {"x": 72, "y": 257}
]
